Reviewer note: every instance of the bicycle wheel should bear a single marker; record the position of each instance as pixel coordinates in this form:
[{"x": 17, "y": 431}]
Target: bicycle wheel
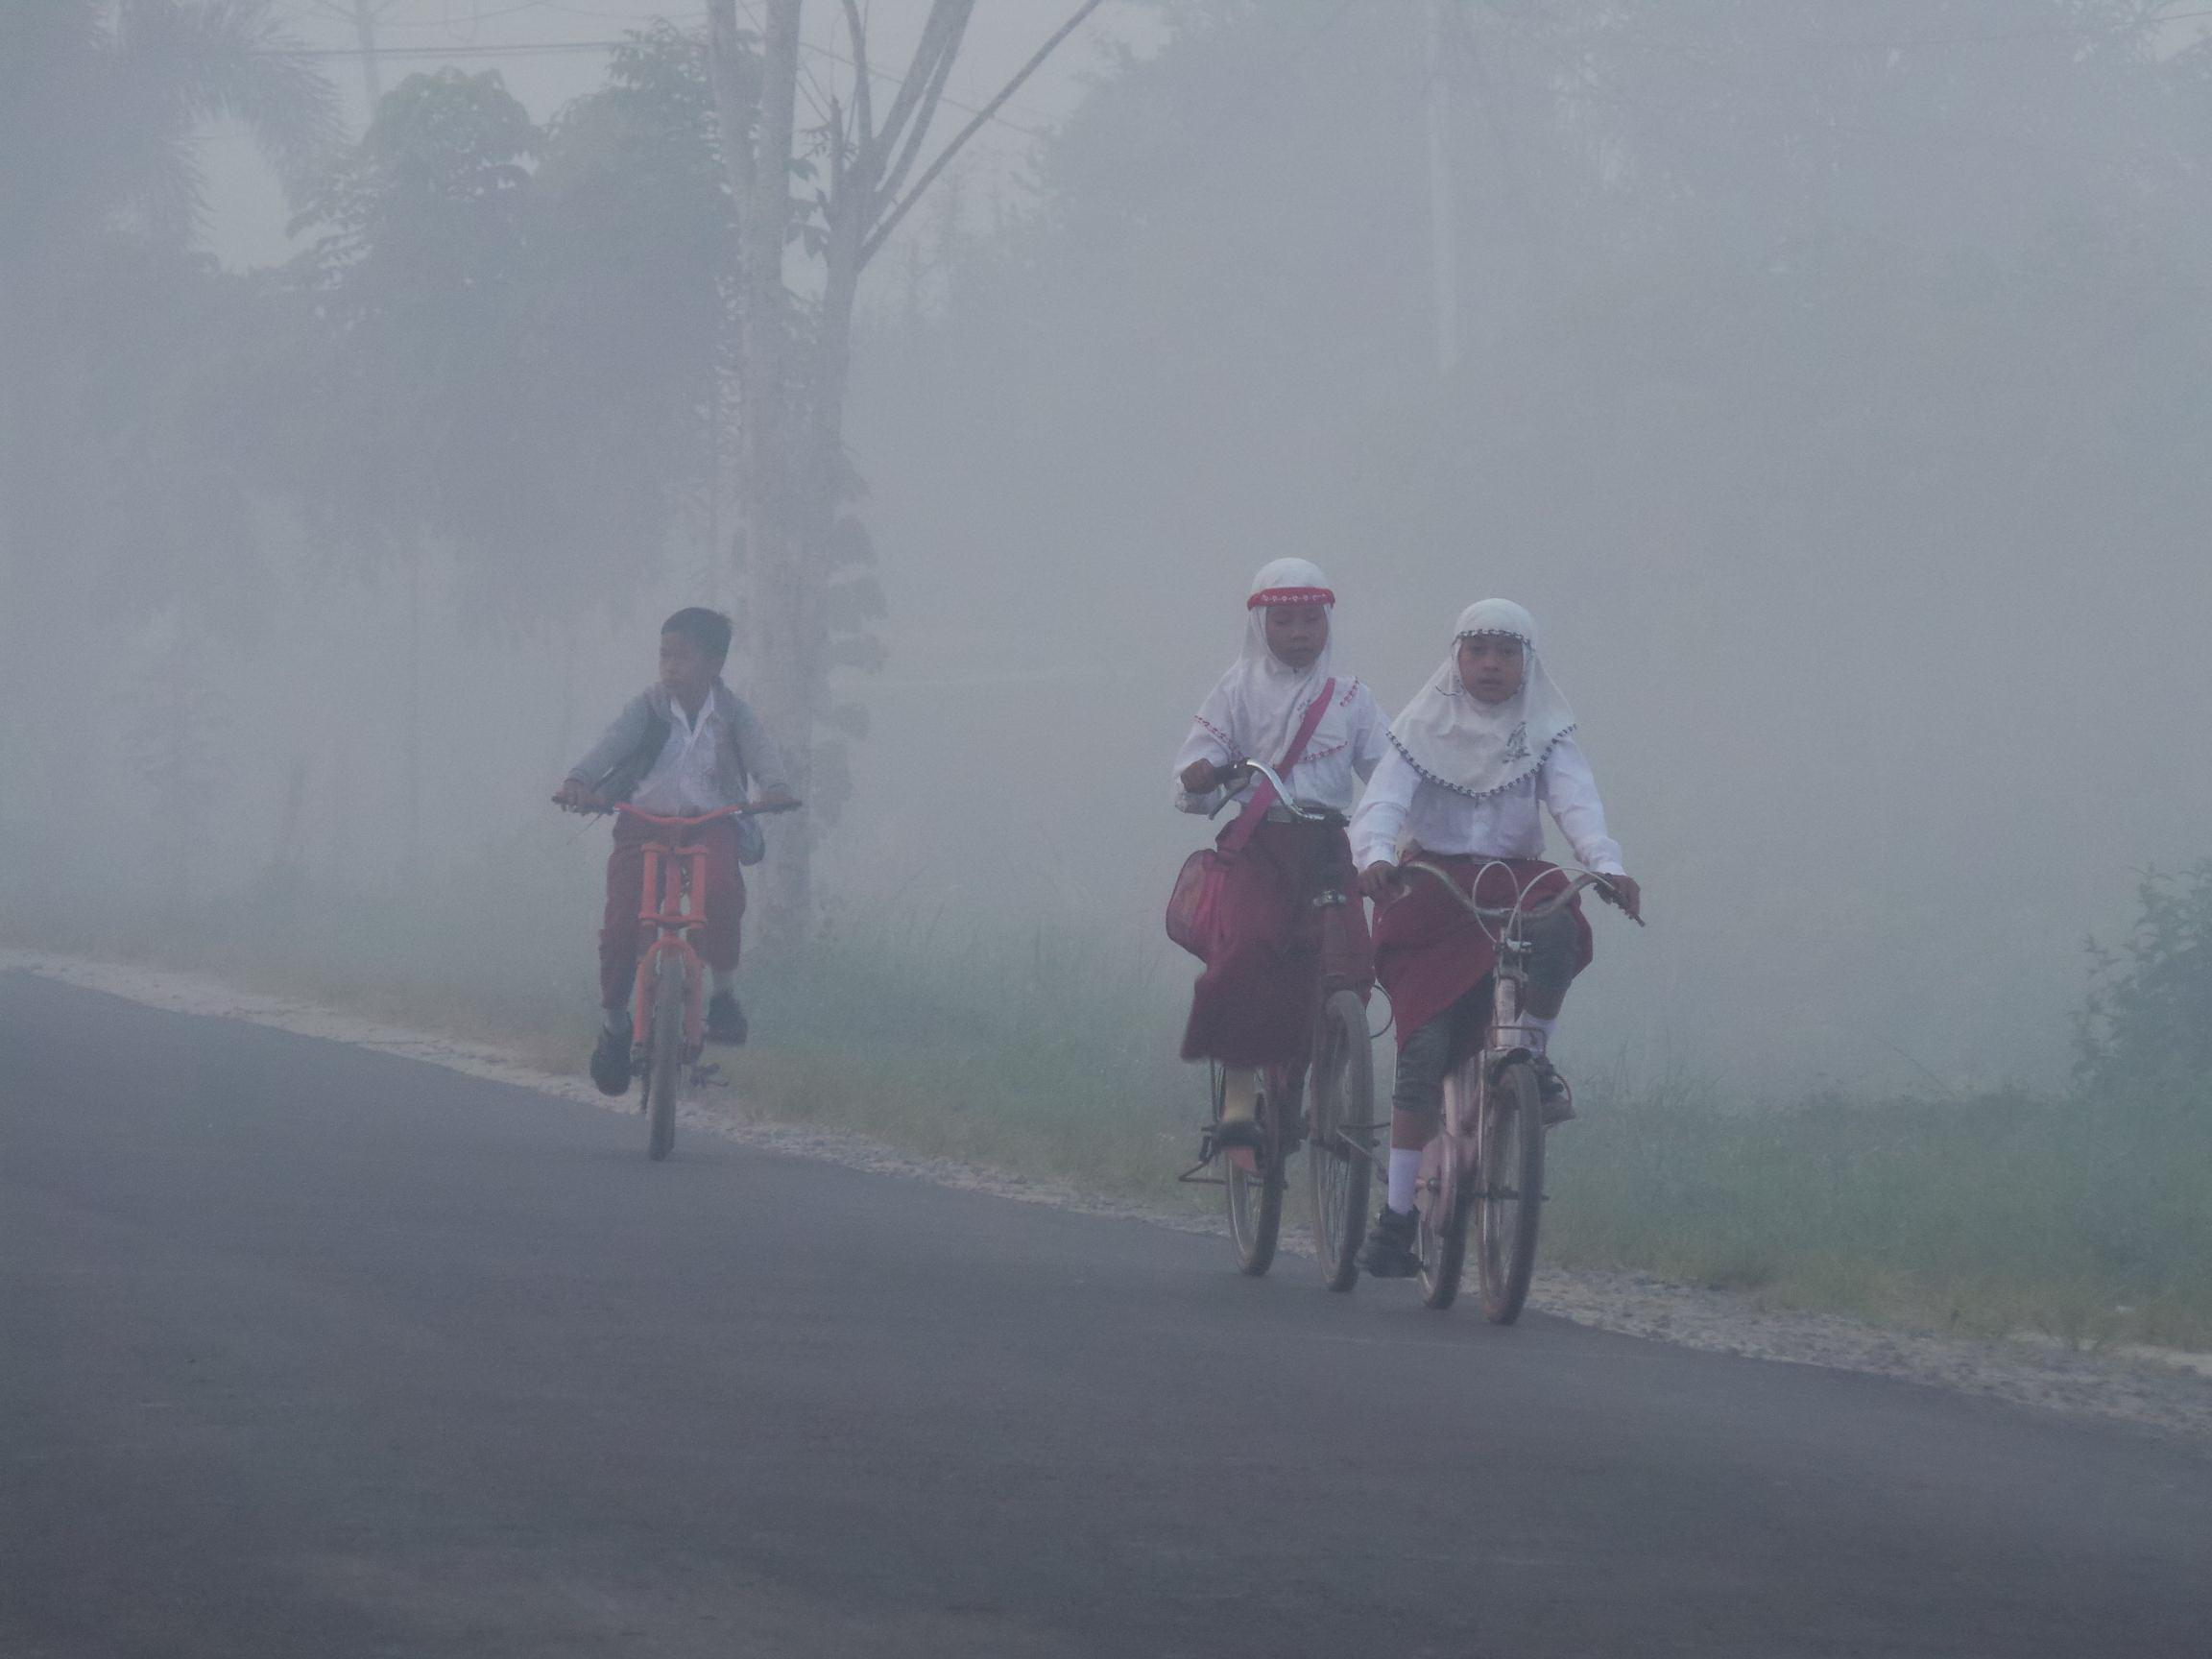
[
  {"x": 1443, "y": 1201},
  {"x": 1509, "y": 1192},
  {"x": 664, "y": 1056},
  {"x": 1341, "y": 1090},
  {"x": 1254, "y": 1186}
]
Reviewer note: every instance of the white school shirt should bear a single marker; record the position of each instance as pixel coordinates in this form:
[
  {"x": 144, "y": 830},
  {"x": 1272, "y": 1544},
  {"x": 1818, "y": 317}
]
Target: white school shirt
[
  {"x": 684, "y": 781},
  {"x": 1353, "y": 736},
  {"x": 1400, "y": 804}
]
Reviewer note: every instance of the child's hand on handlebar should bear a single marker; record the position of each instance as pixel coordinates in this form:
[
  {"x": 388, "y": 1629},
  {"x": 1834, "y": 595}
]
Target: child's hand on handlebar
[
  {"x": 1383, "y": 881},
  {"x": 578, "y": 796},
  {"x": 1202, "y": 776},
  {"x": 1622, "y": 890}
]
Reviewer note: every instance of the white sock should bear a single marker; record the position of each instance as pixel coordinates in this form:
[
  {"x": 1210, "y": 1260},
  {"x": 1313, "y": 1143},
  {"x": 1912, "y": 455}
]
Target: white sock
[
  {"x": 618, "y": 1018},
  {"x": 1404, "y": 1176},
  {"x": 725, "y": 981},
  {"x": 1545, "y": 1030}
]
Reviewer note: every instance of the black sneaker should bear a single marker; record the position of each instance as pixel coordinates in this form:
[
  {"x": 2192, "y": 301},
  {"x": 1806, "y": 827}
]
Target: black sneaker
[
  {"x": 1388, "y": 1253},
  {"x": 1552, "y": 1091},
  {"x": 725, "y": 1019},
  {"x": 610, "y": 1061}
]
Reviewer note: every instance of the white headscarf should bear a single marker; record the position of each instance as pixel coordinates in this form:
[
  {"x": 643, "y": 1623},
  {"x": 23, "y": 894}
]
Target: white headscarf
[
  {"x": 1256, "y": 709},
  {"x": 1456, "y": 739}
]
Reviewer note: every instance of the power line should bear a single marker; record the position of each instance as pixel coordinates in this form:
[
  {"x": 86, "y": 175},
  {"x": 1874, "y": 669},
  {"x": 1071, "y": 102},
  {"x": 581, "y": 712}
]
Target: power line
[
  {"x": 1597, "y": 88},
  {"x": 339, "y": 12},
  {"x": 875, "y": 72},
  {"x": 549, "y": 48},
  {"x": 1994, "y": 37},
  {"x": 2080, "y": 31},
  {"x": 512, "y": 49}
]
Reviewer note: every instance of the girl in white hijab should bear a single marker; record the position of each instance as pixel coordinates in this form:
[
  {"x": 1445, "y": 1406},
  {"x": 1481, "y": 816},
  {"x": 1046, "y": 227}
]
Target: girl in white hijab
[
  {"x": 1474, "y": 758},
  {"x": 1254, "y": 1005}
]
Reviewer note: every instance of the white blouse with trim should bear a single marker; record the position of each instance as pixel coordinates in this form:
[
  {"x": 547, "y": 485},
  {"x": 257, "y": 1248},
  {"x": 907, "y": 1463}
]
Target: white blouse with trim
[
  {"x": 1400, "y": 805},
  {"x": 1352, "y": 737}
]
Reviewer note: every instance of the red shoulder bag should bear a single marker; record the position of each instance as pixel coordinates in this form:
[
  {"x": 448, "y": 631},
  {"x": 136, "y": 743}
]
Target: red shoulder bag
[{"x": 1194, "y": 905}]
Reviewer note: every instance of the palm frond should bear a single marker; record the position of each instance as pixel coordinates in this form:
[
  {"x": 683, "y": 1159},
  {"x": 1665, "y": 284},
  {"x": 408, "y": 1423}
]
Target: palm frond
[{"x": 202, "y": 59}]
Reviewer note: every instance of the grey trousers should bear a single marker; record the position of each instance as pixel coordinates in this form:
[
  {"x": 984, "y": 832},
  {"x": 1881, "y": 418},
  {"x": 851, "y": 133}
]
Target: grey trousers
[{"x": 1425, "y": 1055}]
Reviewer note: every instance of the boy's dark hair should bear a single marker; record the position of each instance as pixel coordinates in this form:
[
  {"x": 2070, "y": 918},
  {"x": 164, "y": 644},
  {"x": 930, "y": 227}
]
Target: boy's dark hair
[{"x": 709, "y": 630}]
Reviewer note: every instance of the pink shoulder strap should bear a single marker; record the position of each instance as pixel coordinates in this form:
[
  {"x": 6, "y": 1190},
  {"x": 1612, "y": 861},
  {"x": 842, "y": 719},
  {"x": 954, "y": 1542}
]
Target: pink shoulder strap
[{"x": 1264, "y": 796}]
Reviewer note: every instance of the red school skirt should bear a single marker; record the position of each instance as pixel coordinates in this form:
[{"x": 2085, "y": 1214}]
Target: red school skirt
[
  {"x": 1430, "y": 951},
  {"x": 1276, "y": 953}
]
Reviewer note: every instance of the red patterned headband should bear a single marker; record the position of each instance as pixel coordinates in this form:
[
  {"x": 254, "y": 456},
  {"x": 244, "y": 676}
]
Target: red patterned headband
[{"x": 1291, "y": 596}]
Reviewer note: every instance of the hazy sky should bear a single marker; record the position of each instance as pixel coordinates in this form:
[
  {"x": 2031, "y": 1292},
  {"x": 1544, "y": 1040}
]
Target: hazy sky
[{"x": 1845, "y": 458}]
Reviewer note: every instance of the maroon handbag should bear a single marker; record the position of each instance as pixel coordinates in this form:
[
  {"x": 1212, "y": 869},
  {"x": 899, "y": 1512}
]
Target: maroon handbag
[{"x": 1195, "y": 903}]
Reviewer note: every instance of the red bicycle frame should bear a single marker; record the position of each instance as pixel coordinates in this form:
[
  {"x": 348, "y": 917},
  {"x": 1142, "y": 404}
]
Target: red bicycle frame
[{"x": 675, "y": 903}]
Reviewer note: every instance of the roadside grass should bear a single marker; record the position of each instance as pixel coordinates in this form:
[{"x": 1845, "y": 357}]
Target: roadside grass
[
  {"x": 1048, "y": 1053},
  {"x": 1038, "y": 1052},
  {"x": 2089, "y": 1220}
]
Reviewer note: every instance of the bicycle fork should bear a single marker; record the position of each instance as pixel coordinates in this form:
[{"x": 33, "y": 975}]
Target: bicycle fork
[
  {"x": 675, "y": 889},
  {"x": 1505, "y": 1039}
]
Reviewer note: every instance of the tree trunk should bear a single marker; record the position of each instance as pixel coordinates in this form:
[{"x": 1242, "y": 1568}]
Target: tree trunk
[
  {"x": 791, "y": 474},
  {"x": 755, "y": 104}
]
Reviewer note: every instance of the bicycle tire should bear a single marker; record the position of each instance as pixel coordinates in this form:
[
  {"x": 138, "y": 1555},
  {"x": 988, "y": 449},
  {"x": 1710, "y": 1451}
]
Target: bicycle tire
[
  {"x": 1508, "y": 1201},
  {"x": 1254, "y": 1195},
  {"x": 665, "y": 1057},
  {"x": 1442, "y": 1234},
  {"x": 1341, "y": 1094}
]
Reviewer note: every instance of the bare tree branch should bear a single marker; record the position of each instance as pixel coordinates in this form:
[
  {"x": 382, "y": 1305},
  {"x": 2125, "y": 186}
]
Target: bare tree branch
[
  {"x": 890, "y": 220},
  {"x": 948, "y": 22},
  {"x": 925, "y": 112},
  {"x": 863, "y": 106}
]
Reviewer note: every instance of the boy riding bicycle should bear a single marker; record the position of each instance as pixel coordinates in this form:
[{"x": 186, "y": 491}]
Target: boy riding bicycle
[{"x": 686, "y": 745}]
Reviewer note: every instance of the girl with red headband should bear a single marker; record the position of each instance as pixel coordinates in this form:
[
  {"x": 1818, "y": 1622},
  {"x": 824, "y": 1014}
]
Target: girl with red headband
[{"x": 1283, "y": 703}]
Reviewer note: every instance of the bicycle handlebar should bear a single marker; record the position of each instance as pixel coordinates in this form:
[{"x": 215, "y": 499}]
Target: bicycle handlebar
[
  {"x": 1227, "y": 779},
  {"x": 1527, "y": 912},
  {"x": 743, "y": 809}
]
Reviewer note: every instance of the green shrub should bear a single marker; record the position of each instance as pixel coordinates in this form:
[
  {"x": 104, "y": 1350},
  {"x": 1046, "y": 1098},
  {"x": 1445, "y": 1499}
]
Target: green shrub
[{"x": 2146, "y": 1024}]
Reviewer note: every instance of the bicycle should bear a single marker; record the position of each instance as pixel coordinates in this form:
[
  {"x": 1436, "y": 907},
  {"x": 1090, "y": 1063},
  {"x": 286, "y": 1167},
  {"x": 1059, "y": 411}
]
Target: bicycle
[
  {"x": 1485, "y": 1166},
  {"x": 668, "y": 1027},
  {"x": 1338, "y": 1131}
]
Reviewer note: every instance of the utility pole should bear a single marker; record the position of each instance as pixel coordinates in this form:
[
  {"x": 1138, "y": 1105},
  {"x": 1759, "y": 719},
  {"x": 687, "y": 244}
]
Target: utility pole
[
  {"x": 366, "y": 13},
  {"x": 373, "y": 81},
  {"x": 1443, "y": 219},
  {"x": 791, "y": 382}
]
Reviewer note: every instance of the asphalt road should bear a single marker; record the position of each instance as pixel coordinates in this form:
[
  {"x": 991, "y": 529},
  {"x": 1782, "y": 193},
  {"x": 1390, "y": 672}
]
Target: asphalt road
[{"x": 308, "y": 1352}]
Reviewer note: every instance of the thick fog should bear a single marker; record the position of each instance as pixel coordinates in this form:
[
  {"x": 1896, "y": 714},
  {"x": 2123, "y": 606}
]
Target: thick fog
[{"x": 1830, "y": 379}]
